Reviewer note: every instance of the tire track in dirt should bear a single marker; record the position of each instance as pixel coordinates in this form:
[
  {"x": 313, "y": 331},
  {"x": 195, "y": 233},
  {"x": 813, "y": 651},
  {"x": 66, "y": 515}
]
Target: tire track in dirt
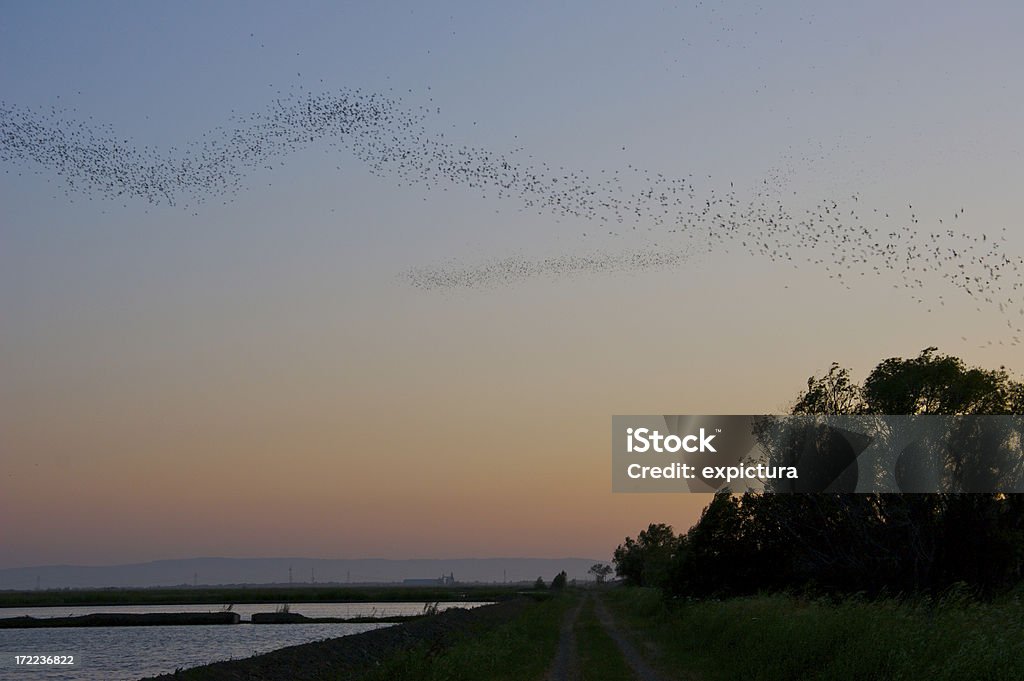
[
  {"x": 565, "y": 666},
  {"x": 641, "y": 669}
]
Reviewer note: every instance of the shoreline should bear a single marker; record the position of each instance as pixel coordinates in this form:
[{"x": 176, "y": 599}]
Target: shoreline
[
  {"x": 355, "y": 653},
  {"x": 101, "y": 619}
]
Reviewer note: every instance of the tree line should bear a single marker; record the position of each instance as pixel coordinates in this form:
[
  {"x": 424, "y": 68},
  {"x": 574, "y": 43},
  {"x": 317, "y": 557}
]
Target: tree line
[{"x": 846, "y": 542}]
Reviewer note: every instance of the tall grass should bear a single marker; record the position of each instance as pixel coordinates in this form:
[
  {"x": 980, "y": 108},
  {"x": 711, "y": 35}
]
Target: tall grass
[
  {"x": 514, "y": 651},
  {"x": 782, "y": 637}
]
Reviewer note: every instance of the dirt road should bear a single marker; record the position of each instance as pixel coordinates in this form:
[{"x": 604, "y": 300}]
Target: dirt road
[{"x": 566, "y": 663}]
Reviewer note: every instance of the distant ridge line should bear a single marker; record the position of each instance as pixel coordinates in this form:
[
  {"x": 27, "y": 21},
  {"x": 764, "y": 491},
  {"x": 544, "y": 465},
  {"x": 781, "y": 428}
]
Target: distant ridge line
[{"x": 215, "y": 571}]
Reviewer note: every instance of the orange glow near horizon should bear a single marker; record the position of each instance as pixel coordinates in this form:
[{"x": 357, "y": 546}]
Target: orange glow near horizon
[{"x": 247, "y": 362}]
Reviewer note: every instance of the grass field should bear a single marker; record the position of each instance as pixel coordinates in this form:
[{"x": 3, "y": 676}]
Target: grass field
[
  {"x": 771, "y": 637},
  {"x": 778, "y": 637},
  {"x": 518, "y": 650}
]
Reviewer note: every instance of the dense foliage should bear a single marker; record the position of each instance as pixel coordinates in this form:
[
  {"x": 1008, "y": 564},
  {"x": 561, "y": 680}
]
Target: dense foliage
[{"x": 872, "y": 543}]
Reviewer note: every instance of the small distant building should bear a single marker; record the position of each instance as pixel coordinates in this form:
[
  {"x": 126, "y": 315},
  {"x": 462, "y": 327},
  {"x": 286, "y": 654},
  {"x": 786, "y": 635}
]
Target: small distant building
[{"x": 443, "y": 580}]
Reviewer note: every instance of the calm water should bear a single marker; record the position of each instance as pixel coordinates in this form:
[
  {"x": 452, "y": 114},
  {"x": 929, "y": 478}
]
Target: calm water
[{"x": 128, "y": 653}]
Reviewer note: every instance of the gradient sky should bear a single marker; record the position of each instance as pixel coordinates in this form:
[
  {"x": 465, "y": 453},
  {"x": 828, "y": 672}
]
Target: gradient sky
[{"x": 257, "y": 380}]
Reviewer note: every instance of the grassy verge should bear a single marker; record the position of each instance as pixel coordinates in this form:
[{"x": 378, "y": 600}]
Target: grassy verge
[
  {"x": 519, "y": 650},
  {"x": 780, "y": 637},
  {"x": 599, "y": 656}
]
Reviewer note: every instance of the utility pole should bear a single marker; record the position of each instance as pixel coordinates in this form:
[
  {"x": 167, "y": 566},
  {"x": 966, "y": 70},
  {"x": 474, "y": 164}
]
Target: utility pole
[{"x": 289, "y": 574}]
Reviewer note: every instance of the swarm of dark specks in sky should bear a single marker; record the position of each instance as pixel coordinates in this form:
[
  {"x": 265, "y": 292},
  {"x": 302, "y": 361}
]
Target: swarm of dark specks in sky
[
  {"x": 841, "y": 236},
  {"x": 504, "y": 271}
]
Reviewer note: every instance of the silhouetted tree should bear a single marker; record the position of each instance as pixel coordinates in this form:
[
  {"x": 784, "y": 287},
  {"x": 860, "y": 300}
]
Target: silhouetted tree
[
  {"x": 600, "y": 571},
  {"x": 560, "y": 580},
  {"x": 871, "y": 542},
  {"x": 833, "y": 393},
  {"x": 645, "y": 562},
  {"x": 939, "y": 384}
]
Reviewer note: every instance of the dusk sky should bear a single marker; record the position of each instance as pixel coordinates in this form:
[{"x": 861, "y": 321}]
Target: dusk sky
[{"x": 257, "y": 375}]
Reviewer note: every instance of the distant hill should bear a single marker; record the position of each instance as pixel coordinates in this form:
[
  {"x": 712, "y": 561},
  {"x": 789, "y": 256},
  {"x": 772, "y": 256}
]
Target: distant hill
[{"x": 214, "y": 571}]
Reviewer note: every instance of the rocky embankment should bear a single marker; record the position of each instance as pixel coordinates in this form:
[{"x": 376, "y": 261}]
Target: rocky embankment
[{"x": 335, "y": 658}]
